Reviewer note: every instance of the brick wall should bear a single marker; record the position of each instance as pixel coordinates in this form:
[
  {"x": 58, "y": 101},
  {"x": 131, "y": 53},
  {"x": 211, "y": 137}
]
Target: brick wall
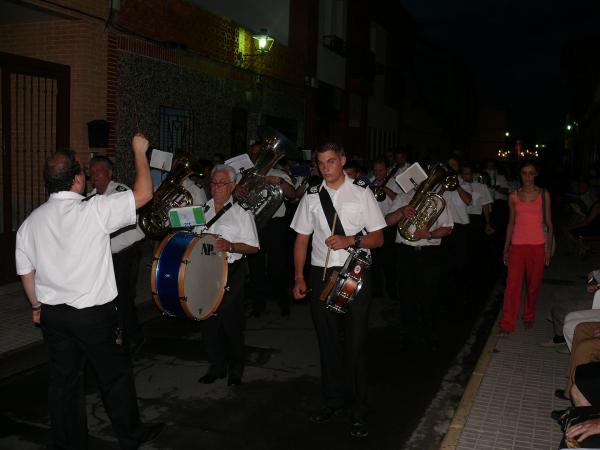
[
  {"x": 186, "y": 25},
  {"x": 80, "y": 44}
]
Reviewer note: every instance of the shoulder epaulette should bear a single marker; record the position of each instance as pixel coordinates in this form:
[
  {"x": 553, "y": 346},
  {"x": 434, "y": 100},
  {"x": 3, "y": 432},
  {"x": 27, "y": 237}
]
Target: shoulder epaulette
[
  {"x": 121, "y": 188},
  {"x": 314, "y": 189},
  {"x": 362, "y": 183},
  {"x": 87, "y": 198}
]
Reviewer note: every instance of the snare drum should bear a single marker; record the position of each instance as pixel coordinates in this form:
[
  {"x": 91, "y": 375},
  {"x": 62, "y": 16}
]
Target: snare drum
[
  {"x": 343, "y": 287},
  {"x": 188, "y": 275}
]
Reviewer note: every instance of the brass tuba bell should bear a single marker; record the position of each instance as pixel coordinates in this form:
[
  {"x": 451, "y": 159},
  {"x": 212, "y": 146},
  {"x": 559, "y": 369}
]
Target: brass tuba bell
[
  {"x": 428, "y": 201},
  {"x": 154, "y": 217}
]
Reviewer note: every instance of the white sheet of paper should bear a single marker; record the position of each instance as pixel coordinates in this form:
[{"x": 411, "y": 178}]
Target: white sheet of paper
[
  {"x": 161, "y": 160},
  {"x": 414, "y": 173},
  {"x": 240, "y": 162}
]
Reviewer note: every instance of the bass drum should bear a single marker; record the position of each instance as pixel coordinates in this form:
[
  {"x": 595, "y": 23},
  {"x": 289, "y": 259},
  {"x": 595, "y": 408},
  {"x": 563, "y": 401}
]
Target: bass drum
[{"x": 188, "y": 275}]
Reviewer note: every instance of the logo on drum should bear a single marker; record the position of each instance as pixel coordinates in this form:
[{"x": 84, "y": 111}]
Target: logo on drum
[
  {"x": 357, "y": 269},
  {"x": 207, "y": 249}
]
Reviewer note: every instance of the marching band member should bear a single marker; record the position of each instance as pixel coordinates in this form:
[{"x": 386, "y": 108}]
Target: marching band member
[
  {"x": 454, "y": 247},
  {"x": 419, "y": 266},
  {"x": 223, "y": 334},
  {"x": 357, "y": 209},
  {"x": 384, "y": 258},
  {"x": 126, "y": 252},
  {"x": 63, "y": 257}
]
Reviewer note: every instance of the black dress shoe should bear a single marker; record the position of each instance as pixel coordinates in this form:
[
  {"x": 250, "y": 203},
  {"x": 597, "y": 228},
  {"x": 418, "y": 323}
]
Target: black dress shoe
[
  {"x": 560, "y": 393},
  {"x": 151, "y": 432},
  {"x": 557, "y": 414},
  {"x": 324, "y": 415},
  {"x": 234, "y": 381},
  {"x": 359, "y": 429},
  {"x": 209, "y": 378}
]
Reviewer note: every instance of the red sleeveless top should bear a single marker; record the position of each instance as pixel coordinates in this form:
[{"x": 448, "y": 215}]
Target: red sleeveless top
[{"x": 529, "y": 221}]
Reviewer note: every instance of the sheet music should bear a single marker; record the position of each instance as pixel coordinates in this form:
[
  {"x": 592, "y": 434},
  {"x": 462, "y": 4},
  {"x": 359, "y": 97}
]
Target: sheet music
[
  {"x": 411, "y": 177},
  {"x": 240, "y": 162},
  {"x": 161, "y": 160}
]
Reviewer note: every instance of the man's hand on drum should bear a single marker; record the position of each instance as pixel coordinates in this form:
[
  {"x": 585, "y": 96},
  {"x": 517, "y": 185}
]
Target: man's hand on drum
[
  {"x": 223, "y": 245},
  {"x": 299, "y": 291},
  {"x": 338, "y": 242}
]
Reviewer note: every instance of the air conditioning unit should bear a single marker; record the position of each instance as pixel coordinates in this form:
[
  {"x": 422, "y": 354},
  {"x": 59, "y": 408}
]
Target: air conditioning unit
[{"x": 334, "y": 43}]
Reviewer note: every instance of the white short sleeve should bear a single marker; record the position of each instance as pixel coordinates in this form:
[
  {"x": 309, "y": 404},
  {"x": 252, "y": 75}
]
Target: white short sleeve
[
  {"x": 302, "y": 223},
  {"x": 374, "y": 219},
  {"x": 114, "y": 211},
  {"x": 23, "y": 263}
]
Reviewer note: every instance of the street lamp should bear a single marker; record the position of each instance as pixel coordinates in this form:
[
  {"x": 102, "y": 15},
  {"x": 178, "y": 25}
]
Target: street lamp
[
  {"x": 507, "y": 134},
  {"x": 262, "y": 45}
]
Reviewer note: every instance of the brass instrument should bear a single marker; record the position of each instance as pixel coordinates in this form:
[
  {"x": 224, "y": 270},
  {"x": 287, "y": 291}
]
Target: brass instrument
[
  {"x": 154, "y": 217},
  {"x": 428, "y": 202},
  {"x": 253, "y": 193},
  {"x": 379, "y": 191}
]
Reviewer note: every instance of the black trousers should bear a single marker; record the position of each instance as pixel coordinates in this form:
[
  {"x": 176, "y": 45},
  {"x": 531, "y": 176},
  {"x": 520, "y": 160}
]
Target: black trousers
[
  {"x": 383, "y": 268},
  {"x": 454, "y": 271},
  {"x": 74, "y": 336},
  {"x": 342, "y": 346},
  {"x": 420, "y": 271},
  {"x": 270, "y": 267},
  {"x": 223, "y": 333},
  {"x": 126, "y": 264}
]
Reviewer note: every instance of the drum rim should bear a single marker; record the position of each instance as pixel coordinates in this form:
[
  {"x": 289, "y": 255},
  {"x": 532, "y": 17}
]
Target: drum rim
[
  {"x": 181, "y": 281},
  {"x": 157, "y": 253}
]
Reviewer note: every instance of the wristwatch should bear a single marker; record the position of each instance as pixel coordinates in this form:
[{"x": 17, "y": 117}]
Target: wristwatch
[{"x": 357, "y": 240}]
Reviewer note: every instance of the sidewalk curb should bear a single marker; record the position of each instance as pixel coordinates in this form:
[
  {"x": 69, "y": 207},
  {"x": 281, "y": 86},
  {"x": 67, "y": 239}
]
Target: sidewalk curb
[{"x": 450, "y": 441}]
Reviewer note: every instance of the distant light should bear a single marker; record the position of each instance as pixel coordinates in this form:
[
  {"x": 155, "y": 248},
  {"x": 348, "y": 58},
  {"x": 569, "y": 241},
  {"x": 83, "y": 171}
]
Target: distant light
[
  {"x": 537, "y": 146},
  {"x": 569, "y": 127},
  {"x": 264, "y": 42},
  {"x": 507, "y": 134}
]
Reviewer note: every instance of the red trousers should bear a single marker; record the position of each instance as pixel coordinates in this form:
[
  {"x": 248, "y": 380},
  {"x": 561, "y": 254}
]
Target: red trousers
[{"x": 528, "y": 260}]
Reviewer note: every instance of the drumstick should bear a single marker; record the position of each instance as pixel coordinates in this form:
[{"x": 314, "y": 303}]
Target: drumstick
[{"x": 329, "y": 248}]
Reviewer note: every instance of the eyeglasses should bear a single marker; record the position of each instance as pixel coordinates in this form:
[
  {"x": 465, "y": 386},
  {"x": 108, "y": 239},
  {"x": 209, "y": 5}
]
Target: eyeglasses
[{"x": 220, "y": 183}]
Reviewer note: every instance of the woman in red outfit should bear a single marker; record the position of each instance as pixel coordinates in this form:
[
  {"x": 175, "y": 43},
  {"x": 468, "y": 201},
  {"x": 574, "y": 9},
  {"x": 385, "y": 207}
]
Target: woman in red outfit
[{"x": 525, "y": 251}]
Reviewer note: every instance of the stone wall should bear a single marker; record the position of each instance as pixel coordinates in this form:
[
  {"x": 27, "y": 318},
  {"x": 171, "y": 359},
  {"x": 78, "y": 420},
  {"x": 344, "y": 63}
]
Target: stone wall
[{"x": 145, "y": 84}]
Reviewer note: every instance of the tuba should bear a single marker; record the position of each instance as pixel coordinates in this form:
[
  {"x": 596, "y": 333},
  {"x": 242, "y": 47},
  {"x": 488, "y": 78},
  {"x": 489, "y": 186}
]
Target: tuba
[
  {"x": 154, "y": 217},
  {"x": 428, "y": 202},
  {"x": 253, "y": 193}
]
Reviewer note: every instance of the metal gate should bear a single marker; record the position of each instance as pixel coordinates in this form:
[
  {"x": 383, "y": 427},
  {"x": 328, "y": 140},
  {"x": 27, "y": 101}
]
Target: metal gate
[{"x": 34, "y": 122}]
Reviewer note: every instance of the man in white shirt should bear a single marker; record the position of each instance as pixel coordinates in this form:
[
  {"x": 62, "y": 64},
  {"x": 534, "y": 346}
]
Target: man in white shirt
[
  {"x": 455, "y": 246},
  {"x": 223, "y": 333},
  {"x": 270, "y": 267},
  {"x": 419, "y": 267},
  {"x": 343, "y": 366},
  {"x": 384, "y": 258},
  {"x": 126, "y": 252},
  {"x": 63, "y": 257}
]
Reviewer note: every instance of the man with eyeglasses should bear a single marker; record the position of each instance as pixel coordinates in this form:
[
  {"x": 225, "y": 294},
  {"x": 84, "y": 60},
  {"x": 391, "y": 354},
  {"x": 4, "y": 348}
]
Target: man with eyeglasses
[{"x": 223, "y": 333}]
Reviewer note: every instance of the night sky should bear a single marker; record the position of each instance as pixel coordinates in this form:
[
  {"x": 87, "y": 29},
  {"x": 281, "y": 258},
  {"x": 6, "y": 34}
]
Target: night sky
[{"x": 513, "y": 47}]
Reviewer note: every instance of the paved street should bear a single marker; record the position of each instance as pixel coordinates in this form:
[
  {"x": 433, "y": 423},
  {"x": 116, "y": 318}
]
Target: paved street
[{"x": 269, "y": 411}]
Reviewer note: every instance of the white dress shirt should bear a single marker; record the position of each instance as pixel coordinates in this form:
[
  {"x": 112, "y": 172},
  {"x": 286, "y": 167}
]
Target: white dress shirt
[
  {"x": 386, "y": 203},
  {"x": 67, "y": 242},
  {"x": 356, "y": 207},
  {"x": 501, "y": 181},
  {"x": 197, "y": 193},
  {"x": 236, "y": 225},
  {"x": 281, "y": 174},
  {"x": 481, "y": 197},
  {"x": 456, "y": 206},
  {"x": 123, "y": 238},
  {"x": 444, "y": 220}
]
